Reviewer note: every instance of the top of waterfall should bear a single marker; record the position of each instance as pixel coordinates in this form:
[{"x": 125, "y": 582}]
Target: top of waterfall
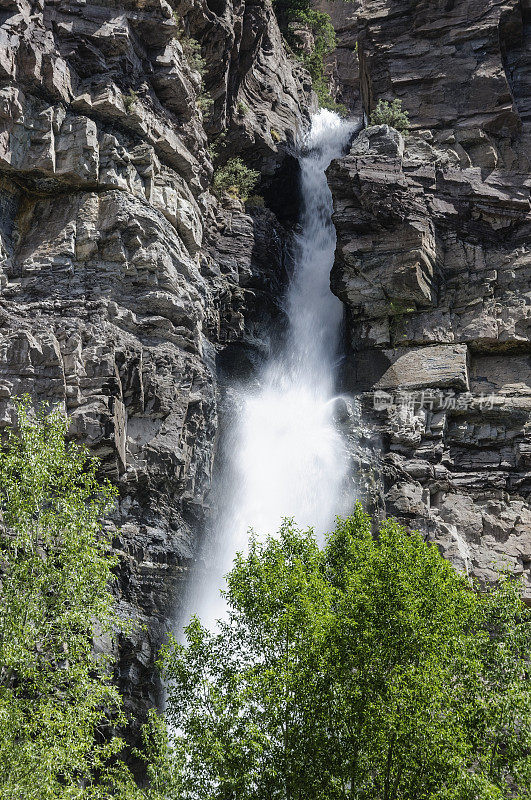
[{"x": 329, "y": 133}]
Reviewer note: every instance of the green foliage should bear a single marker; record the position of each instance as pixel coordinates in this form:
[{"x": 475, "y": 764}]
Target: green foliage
[
  {"x": 129, "y": 100},
  {"x": 368, "y": 669},
  {"x": 191, "y": 47},
  {"x": 216, "y": 146},
  {"x": 399, "y": 308},
  {"x": 204, "y": 103},
  {"x": 255, "y": 201},
  {"x": 391, "y": 114},
  {"x": 192, "y": 52},
  {"x": 321, "y": 89},
  {"x": 292, "y": 13},
  {"x": 162, "y": 759},
  {"x": 235, "y": 178},
  {"x": 242, "y": 108},
  {"x": 56, "y": 699}
]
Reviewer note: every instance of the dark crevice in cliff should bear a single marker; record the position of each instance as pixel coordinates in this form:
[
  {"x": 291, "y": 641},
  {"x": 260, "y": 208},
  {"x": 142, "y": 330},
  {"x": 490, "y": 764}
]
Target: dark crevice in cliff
[
  {"x": 282, "y": 191},
  {"x": 515, "y": 37}
]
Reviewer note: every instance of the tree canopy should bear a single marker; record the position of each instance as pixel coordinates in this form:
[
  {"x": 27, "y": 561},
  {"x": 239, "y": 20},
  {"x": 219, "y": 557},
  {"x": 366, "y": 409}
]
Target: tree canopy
[
  {"x": 366, "y": 669},
  {"x": 58, "y": 707}
]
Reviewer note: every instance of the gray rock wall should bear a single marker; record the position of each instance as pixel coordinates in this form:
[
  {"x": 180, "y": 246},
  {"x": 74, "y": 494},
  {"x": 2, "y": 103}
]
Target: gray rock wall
[
  {"x": 127, "y": 290},
  {"x": 342, "y": 67},
  {"x": 121, "y": 276},
  {"x": 434, "y": 269}
]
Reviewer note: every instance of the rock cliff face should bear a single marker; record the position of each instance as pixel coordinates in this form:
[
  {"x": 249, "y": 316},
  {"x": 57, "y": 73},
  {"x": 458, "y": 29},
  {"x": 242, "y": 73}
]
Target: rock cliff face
[
  {"x": 342, "y": 64},
  {"x": 128, "y": 291},
  {"x": 121, "y": 276},
  {"x": 433, "y": 266}
]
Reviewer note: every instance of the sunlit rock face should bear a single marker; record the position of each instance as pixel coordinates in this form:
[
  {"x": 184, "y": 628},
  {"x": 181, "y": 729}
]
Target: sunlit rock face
[
  {"x": 342, "y": 63},
  {"x": 433, "y": 266},
  {"x": 121, "y": 276},
  {"x": 128, "y": 292}
]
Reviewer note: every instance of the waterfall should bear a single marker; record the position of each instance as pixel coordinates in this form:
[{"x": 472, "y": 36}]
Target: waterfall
[{"x": 287, "y": 458}]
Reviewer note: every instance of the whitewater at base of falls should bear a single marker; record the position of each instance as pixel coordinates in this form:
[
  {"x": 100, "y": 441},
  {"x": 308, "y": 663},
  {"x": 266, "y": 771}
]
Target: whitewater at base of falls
[{"x": 283, "y": 453}]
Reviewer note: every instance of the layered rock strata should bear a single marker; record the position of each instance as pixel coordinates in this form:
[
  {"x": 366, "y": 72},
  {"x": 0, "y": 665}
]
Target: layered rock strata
[
  {"x": 433, "y": 266},
  {"x": 342, "y": 66},
  {"x": 121, "y": 276}
]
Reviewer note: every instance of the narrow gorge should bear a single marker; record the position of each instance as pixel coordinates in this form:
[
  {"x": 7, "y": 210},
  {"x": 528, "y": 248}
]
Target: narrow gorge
[
  {"x": 354, "y": 326},
  {"x": 283, "y": 455}
]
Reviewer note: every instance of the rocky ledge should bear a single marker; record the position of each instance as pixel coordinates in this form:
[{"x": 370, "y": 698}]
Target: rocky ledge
[
  {"x": 433, "y": 266},
  {"x": 122, "y": 278},
  {"x": 128, "y": 290}
]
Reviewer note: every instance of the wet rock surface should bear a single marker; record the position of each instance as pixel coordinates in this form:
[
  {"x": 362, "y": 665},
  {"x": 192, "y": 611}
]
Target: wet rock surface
[
  {"x": 122, "y": 278},
  {"x": 433, "y": 266}
]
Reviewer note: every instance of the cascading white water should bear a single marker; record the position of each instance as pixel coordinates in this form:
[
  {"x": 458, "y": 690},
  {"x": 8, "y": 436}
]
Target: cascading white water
[{"x": 287, "y": 457}]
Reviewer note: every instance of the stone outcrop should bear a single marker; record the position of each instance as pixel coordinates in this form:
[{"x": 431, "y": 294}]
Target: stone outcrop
[
  {"x": 433, "y": 266},
  {"x": 258, "y": 94},
  {"x": 460, "y": 69},
  {"x": 122, "y": 278},
  {"x": 342, "y": 66},
  {"x": 129, "y": 292}
]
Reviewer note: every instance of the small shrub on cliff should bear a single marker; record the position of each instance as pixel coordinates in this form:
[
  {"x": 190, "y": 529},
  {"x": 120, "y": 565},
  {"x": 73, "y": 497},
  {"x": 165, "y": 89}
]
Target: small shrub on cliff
[
  {"x": 255, "y": 201},
  {"x": 129, "y": 100},
  {"x": 192, "y": 51},
  {"x": 391, "y": 114},
  {"x": 204, "y": 103},
  {"x": 235, "y": 178},
  {"x": 369, "y": 669},
  {"x": 58, "y": 708},
  {"x": 191, "y": 47}
]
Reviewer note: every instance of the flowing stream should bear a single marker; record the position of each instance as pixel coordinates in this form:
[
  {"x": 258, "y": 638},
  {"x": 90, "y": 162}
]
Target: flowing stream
[{"x": 287, "y": 458}]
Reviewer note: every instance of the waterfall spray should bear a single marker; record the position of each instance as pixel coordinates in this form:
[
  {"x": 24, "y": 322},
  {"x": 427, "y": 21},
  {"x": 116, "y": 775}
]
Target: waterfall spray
[{"x": 287, "y": 456}]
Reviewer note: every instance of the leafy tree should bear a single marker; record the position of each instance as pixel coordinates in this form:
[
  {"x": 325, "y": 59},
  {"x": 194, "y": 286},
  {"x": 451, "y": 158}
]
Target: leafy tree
[
  {"x": 500, "y": 726},
  {"x": 391, "y": 114},
  {"x": 367, "y": 669},
  {"x": 57, "y": 703}
]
